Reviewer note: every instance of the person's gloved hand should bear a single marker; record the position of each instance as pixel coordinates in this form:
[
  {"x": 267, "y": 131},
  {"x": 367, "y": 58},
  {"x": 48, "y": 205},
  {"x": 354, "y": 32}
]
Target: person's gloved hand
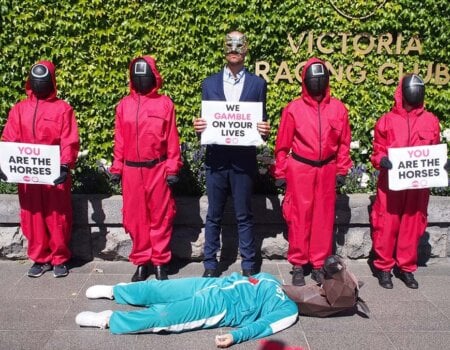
[
  {"x": 172, "y": 180},
  {"x": 446, "y": 166},
  {"x": 281, "y": 183},
  {"x": 385, "y": 163},
  {"x": 64, "y": 171},
  {"x": 3, "y": 176},
  {"x": 115, "y": 179},
  {"x": 340, "y": 180}
]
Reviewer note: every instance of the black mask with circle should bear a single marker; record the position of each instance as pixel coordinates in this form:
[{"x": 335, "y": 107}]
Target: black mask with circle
[
  {"x": 40, "y": 81},
  {"x": 413, "y": 89}
]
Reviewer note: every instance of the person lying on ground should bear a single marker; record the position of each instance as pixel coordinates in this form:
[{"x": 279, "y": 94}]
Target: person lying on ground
[{"x": 258, "y": 305}]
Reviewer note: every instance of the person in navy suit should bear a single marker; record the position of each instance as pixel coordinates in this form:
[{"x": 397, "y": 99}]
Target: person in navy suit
[{"x": 231, "y": 168}]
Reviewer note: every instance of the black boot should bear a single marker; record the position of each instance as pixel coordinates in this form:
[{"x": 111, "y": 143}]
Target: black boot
[
  {"x": 161, "y": 273},
  {"x": 211, "y": 273},
  {"x": 248, "y": 272},
  {"x": 384, "y": 279},
  {"x": 141, "y": 273},
  {"x": 409, "y": 279},
  {"x": 298, "y": 278},
  {"x": 317, "y": 275}
]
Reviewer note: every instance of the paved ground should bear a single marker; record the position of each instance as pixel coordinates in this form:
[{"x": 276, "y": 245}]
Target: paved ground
[{"x": 40, "y": 313}]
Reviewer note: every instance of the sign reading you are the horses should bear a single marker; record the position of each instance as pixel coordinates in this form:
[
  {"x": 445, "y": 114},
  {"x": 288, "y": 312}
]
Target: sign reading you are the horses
[
  {"x": 418, "y": 167},
  {"x": 29, "y": 163},
  {"x": 231, "y": 123}
]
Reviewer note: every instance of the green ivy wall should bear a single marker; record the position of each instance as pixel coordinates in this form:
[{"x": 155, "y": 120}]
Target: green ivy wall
[{"x": 92, "y": 41}]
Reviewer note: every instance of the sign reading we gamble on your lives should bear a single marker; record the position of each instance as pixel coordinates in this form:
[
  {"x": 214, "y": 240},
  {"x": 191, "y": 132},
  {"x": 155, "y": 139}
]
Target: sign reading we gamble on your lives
[
  {"x": 417, "y": 167},
  {"x": 30, "y": 163},
  {"x": 232, "y": 123}
]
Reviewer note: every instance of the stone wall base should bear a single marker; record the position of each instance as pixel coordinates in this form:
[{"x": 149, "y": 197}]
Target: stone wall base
[{"x": 97, "y": 231}]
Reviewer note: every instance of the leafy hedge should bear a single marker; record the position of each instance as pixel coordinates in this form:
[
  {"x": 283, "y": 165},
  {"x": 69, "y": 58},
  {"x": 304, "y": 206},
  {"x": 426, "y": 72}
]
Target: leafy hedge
[{"x": 92, "y": 41}]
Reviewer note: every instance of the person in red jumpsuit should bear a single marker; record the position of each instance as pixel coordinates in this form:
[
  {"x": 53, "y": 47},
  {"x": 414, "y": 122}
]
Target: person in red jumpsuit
[
  {"x": 45, "y": 210},
  {"x": 147, "y": 159},
  {"x": 312, "y": 155},
  {"x": 399, "y": 218}
]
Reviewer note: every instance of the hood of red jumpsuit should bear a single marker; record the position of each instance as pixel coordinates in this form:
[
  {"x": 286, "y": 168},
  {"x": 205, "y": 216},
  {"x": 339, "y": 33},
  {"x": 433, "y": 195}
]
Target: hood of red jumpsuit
[
  {"x": 305, "y": 94},
  {"x": 152, "y": 63},
  {"x": 51, "y": 68},
  {"x": 398, "y": 102}
]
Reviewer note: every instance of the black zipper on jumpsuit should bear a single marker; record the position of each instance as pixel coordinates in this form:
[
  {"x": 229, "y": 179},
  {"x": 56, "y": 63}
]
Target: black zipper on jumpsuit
[
  {"x": 137, "y": 135},
  {"x": 409, "y": 131},
  {"x": 137, "y": 128},
  {"x": 34, "y": 121},
  {"x": 320, "y": 132}
]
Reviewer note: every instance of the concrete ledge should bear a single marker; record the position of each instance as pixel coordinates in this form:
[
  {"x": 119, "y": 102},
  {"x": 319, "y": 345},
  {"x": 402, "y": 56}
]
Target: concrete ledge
[{"x": 98, "y": 233}]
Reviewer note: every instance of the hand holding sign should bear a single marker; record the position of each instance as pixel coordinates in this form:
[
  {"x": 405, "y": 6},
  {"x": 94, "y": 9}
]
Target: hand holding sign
[
  {"x": 263, "y": 128},
  {"x": 199, "y": 125},
  {"x": 64, "y": 171},
  {"x": 447, "y": 165},
  {"x": 3, "y": 176},
  {"x": 385, "y": 163}
]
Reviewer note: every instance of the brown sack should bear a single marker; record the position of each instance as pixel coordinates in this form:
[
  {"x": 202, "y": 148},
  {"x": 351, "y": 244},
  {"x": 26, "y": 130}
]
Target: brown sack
[
  {"x": 341, "y": 289},
  {"x": 338, "y": 292}
]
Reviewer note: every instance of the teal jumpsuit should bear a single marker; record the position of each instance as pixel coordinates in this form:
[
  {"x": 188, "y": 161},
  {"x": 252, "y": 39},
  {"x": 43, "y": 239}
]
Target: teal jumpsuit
[{"x": 257, "y": 305}]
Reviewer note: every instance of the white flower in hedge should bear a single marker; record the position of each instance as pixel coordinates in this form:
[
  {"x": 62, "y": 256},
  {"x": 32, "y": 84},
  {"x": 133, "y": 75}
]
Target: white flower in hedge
[
  {"x": 265, "y": 157},
  {"x": 446, "y": 134},
  {"x": 103, "y": 165},
  {"x": 363, "y": 151},
  {"x": 262, "y": 171},
  {"x": 364, "y": 180},
  {"x": 266, "y": 160},
  {"x": 83, "y": 154},
  {"x": 354, "y": 145}
]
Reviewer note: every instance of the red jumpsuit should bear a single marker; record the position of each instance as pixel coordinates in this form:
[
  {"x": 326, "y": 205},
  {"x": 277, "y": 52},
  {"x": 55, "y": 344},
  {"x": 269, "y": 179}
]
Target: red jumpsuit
[
  {"x": 316, "y": 132},
  {"x": 146, "y": 131},
  {"x": 399, "y": 218},
  {"x": 45, "y": 211}
]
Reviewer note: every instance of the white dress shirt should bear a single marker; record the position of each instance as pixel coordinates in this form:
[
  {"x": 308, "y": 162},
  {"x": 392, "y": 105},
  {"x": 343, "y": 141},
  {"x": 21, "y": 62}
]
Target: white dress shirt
[{"x": 233, "y": 85}]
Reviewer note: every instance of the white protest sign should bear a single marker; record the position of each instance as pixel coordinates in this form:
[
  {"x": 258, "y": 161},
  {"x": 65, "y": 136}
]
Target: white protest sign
[
  {"x": 29, "y": 163},
  {"x": 418, "y": 167},
  {"x": 232, "y": 123}
]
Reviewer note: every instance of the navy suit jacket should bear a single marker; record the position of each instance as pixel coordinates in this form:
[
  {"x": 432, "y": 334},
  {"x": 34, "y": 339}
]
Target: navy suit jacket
[{"x": 241, "y": 158}]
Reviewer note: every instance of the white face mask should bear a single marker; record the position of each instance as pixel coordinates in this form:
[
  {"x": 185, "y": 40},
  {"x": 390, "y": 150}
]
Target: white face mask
[{"x": 235, "y": 43}]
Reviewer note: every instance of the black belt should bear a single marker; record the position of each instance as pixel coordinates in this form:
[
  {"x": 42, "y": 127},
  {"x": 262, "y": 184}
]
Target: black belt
[
  {"x": 315, "y": 163},
  {"x": 147, "y": 163}
]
